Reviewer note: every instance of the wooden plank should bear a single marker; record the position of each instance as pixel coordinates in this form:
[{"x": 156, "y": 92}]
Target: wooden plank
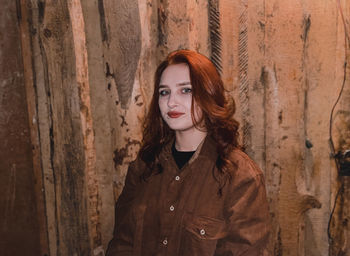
[
  {"x": 27, "y": 51},
  {"x": 319, "y": 19},
  {"x": 83, "y": 86},
  {"x": 20, "y": 221},
  {"x": 44, "y": 121},
  {"x": 123, "y": 44},
  {"x": 121, "y": 59},
  {"x": 65, "y": 133},
  {"x": 198, "y": 22},
  {"x": 94, "y": 26},
  {"x": 285, "y": 30},
  {"x": 338, "y": 228},
  {"x": 257, "y": 91}
]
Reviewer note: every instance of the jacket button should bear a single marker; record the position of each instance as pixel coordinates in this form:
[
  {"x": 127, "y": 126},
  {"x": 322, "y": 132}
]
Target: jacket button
[
  {"x": 177, "y": 178},
  {"x": 165, "y": 241},
  {"x": 172, "y": 208},
  {"x": 202, "y": 232}
]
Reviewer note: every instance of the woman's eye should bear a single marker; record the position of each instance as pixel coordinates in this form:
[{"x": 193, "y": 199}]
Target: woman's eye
[
  {"x": 186, "y": 90},
  {"x": 163, "y": 92}
]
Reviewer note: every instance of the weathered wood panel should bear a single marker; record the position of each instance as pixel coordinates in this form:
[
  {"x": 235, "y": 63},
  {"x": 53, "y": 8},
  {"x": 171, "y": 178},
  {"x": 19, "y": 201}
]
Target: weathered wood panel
[
  {"x": 29, "y": 76},
  {"x": 285, "y": 140},
  {"x": 83, "y": 86},
  {"x": 99, "y": 88},
  {"x": 296, "y": 77},
  {"x": 319, "y": 19},
  {"x": 35, "y": 13},
  {"x": 340, "y": 132},
  {"x": 121, "y": 56},
  {"x": 65, "y": 126},
  {"x": 21, "y": 218},
  {"x": 65, "y": 131}
]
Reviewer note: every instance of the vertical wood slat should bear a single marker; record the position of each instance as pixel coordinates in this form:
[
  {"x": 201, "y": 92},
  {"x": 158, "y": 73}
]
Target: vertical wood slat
[
  {"x": 96, "y": 35},
  {"x": 215, "y": 33},
  {"x": 20, "y": 195},
  {"x": 256, "y": 21},
  {"x": 274, "y": 48},
  {"x": 82, "y": 80},
  {"x": 27, "y": 51},
  {"x": 229, "y": 15},
  {"x": 43, "y": 120},
  {"x": 243, "y": 88},
  {"x": 66, "y": 139},
  {"x": 284, "y": 117},
  {"x": 62, "y": 140},
  {"x": 121, "y": 57},
  {"x": 198, "y": 20},
  {"x": 318, "y": 25},
  {"x": 339, "y": 229}
]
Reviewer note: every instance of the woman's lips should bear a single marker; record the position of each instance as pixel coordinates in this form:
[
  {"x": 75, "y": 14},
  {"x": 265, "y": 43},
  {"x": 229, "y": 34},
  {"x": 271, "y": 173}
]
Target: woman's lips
[{"x": 174, "y": 114}]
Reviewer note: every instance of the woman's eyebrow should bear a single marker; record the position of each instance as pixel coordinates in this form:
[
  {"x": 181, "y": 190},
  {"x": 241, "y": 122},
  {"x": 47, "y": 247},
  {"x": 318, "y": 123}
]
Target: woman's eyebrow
[
  {"x": 184, "y": 83},
  {"x": 178, "y": 84}
]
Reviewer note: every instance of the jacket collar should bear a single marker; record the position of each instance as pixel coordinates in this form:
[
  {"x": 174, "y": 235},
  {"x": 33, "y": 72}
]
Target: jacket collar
[{"x": 206, "y": 149}]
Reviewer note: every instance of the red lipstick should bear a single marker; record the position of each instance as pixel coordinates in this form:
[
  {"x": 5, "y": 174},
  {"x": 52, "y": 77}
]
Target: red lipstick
[{"x": 175, "y": 114}]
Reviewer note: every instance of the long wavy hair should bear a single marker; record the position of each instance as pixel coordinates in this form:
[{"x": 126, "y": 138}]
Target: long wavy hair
[{"x": 217, "y": 113}]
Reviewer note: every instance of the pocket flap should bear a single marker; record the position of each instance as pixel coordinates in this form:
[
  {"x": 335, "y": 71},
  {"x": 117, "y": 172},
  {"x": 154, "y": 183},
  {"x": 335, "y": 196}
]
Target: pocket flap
[{"x": 204, "y": 227}]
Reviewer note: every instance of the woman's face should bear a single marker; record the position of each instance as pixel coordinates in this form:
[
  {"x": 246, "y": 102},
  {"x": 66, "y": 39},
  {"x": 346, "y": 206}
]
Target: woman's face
[{"x": 175, "y": 98}]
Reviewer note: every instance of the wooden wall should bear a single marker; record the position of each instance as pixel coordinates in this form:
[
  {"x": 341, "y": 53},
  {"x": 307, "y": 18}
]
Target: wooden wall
[
  {"x": 22, "y": 218},
  {"x": 89, "y": 74}
]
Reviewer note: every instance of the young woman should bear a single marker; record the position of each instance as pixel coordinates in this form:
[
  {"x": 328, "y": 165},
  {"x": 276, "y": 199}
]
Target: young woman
[{"x": 191, "y": 190}]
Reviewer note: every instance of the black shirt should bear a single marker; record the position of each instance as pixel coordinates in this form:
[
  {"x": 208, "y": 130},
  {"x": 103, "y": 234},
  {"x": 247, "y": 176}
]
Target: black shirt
[{"x": 181, "y": 157}]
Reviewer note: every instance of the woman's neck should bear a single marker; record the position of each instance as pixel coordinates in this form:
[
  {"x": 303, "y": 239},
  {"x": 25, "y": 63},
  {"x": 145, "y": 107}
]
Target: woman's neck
[{"x": 189, "y": 140}]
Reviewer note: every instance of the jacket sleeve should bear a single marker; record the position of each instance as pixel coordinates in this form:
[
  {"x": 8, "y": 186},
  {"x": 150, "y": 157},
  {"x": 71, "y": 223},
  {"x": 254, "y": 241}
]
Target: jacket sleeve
[
  {"x": 248, "y": 221},
  {"x": 121, "y": 244}
]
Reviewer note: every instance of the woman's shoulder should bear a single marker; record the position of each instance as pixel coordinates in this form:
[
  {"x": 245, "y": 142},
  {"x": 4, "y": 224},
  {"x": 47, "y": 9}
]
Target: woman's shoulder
[
  {"x": 137, "y": 166},
  {"x": 134, "y": 171},
  {"x": 137, "y": 162},
  {"x": 246, "y": 168}
]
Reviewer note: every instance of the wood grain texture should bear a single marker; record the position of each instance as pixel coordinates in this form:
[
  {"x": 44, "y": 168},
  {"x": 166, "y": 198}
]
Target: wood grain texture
[
  {"x": 61, "y": 136},
  {"x": 121, "y": 57},
  {"x": 243, "y": 89},
  {"x": 318, "y": 19},
  {"x": 21, "y": 217},
  {"x": 295, "y": 77},
  {"x": 339, "y": 132},
  {"x": 229, "y": 15},
  {"x": 215, "y": 34},
  {"x": 285, "y": 139},
  {"x": 100, "y": 113},
  {"x": 29, "y": 82},
  {"x": 83, "y": 86},
  {"x": 44, "y": 121},
  {"x": 123, "y": 40}
]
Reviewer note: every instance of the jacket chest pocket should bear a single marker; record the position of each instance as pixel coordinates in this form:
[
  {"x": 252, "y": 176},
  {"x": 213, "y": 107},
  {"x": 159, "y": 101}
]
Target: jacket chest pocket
[{"x": 200, "y": 235}]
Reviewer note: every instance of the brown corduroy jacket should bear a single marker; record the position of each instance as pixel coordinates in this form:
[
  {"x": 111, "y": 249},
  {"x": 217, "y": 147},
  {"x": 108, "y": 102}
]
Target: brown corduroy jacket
[{"x": 181, "y": 212}]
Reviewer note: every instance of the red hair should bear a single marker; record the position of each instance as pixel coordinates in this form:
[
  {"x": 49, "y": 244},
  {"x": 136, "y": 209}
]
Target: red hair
[{"x": 209, "y": 94}]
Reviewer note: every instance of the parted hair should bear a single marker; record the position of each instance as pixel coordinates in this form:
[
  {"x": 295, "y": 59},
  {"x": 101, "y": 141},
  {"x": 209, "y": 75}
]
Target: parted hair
[{"x": 217, "y": 113}]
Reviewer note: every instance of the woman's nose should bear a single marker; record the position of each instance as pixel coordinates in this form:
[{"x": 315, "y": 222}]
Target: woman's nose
[{"x": 172, "y": 100}]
